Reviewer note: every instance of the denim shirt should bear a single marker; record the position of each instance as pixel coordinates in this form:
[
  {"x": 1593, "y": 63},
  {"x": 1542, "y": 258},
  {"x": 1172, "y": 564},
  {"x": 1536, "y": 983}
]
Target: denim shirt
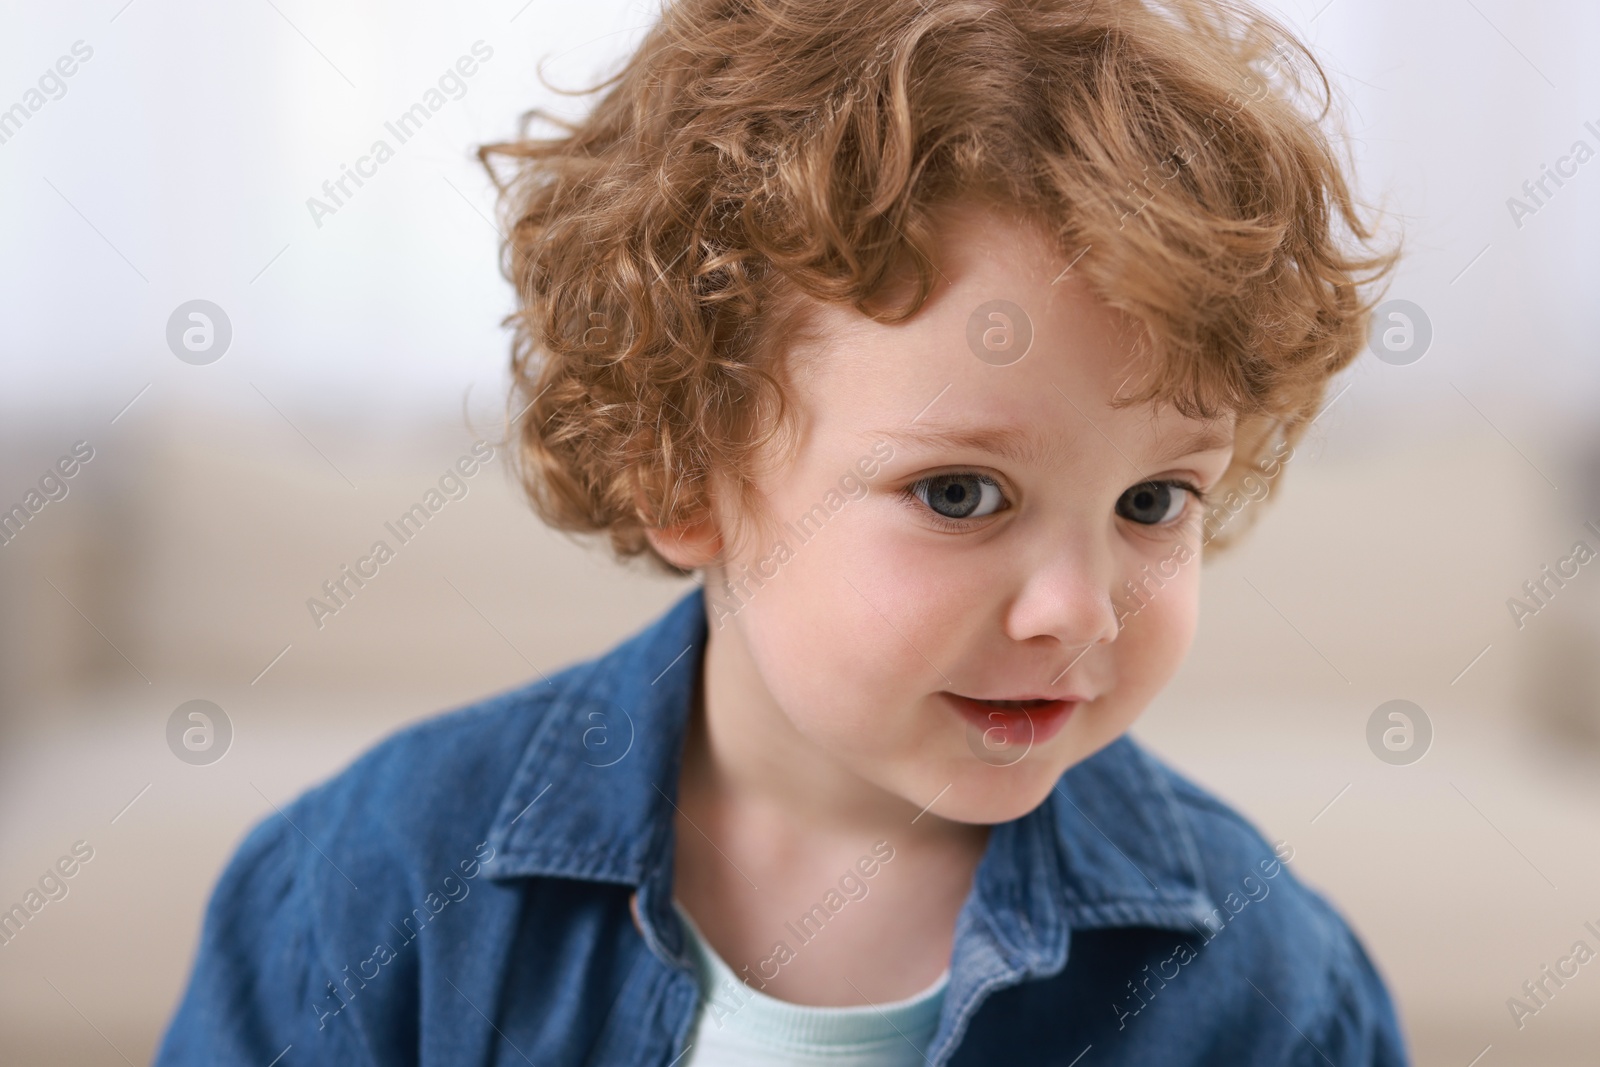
[{"x": 494, "y": 886}]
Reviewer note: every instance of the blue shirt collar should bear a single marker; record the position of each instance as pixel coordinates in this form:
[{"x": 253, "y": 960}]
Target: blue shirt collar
[{"x": 594, "y": 794}]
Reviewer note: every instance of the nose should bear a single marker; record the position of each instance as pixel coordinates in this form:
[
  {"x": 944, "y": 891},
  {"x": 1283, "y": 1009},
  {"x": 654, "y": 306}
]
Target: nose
[{"x": 1067, "y": 595}]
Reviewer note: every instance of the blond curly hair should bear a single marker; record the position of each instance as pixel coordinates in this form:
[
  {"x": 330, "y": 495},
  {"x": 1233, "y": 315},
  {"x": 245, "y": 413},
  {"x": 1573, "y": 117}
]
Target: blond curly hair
[{"x": 752, "y": 155}]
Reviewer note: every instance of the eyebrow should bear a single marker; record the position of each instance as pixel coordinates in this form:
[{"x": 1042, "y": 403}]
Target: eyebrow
[{"x": 1022, "y": 447}]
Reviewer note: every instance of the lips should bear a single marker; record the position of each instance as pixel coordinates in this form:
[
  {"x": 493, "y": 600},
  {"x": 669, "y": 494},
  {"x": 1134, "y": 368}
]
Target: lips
[{"x": 1020, "y": 722}]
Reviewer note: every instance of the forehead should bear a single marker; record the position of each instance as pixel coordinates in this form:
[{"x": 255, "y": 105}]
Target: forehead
[{"x": 1001, "y": 282}]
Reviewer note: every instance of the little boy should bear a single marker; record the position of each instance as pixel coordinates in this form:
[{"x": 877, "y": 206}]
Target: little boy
[{"x": 932, "y": 335}]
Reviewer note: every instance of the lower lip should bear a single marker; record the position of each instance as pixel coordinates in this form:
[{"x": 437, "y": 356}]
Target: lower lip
[{"x": 1020, "y": 726}]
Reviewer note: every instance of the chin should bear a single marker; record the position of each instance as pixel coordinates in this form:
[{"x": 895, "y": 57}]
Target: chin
[{"x": 994, "y": 794}]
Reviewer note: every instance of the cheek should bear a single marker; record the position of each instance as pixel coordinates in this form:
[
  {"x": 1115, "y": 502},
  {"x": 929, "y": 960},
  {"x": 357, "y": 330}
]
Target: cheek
[
  {"x": 1155, "y": 641},
  {"x": 905, "y": 612},
  {"x": 841, "y": 634}
]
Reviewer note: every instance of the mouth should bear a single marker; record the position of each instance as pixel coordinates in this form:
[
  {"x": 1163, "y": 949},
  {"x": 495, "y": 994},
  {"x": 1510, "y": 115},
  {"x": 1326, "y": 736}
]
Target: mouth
[{"x": 1007, "y": 723}]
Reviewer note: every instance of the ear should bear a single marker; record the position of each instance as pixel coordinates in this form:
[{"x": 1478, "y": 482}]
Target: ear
[{"x": 687, "y": 545}]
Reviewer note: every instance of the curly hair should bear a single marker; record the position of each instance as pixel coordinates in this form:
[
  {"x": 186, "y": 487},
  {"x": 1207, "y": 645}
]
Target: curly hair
[{"x": 752, "y": 155}]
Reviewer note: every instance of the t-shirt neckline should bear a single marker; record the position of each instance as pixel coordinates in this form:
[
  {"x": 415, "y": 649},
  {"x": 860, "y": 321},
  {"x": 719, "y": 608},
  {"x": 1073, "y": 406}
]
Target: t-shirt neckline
[{"x": 739, "y": 1006}]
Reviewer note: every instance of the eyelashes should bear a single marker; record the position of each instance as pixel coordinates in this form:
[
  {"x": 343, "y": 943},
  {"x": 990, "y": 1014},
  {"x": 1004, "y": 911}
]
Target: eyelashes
[
  {"x": 972, "y": 496},
  {"x": 964, "y": 492},
  {"x": 1158, "y": 495}
]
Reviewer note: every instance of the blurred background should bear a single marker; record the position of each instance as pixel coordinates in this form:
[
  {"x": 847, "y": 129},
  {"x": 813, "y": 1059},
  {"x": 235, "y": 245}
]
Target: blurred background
[{"x": 350, "y": 353}]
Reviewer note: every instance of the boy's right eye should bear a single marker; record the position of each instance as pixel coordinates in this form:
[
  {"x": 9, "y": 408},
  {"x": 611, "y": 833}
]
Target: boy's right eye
[{"x": 961, "y": 496}]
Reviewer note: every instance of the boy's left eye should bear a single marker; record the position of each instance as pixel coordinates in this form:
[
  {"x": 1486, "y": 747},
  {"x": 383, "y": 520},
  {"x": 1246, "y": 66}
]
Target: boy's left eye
[
  {"x": 1155, "y": 503},
  {"x": 959, "y": 496}
]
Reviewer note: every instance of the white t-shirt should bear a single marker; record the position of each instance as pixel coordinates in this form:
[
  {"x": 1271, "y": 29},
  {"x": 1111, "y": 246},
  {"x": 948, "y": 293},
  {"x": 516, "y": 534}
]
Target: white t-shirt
[{"x": 739, "y": 1026}]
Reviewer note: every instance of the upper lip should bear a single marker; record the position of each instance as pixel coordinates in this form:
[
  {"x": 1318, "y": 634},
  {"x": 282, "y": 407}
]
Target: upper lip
[{"x": 1066, "y": 697}]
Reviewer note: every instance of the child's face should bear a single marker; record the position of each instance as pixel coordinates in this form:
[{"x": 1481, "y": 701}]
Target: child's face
[{"x": 842, "y": 656}]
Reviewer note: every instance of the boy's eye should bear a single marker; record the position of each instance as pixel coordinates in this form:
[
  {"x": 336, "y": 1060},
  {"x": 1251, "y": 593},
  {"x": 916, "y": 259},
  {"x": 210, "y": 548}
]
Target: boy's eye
[
  {"x": 1154, "y": 503},
  {"x": 959, "y": 496}
]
